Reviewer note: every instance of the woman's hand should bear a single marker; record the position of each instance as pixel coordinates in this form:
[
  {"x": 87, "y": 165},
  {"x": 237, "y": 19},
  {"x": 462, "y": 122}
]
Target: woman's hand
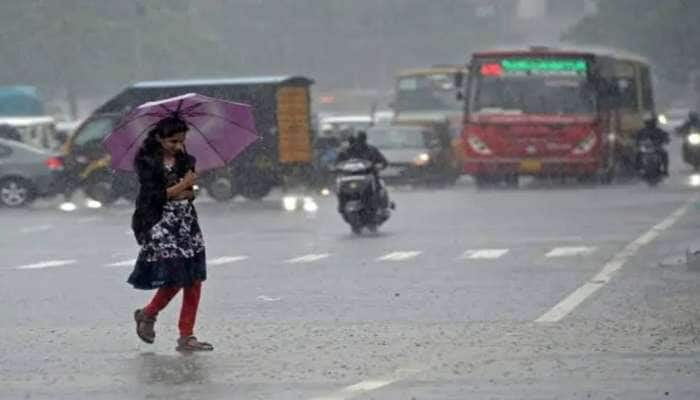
[
  {"x": 189, "y": 179},
  {"x": 180, "y": 190}
]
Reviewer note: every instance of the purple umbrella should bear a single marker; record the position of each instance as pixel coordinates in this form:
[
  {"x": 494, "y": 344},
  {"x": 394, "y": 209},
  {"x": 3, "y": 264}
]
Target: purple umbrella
[{"x": 219, "y": 130}]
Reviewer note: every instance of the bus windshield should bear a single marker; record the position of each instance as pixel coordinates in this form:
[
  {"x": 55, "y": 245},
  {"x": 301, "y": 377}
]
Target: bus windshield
[
  {"x": 427, "y": 92},
  {"x": 530, "y": 87}
]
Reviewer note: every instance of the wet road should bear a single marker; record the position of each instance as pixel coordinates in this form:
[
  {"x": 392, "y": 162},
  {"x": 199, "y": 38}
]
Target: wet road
[{"x": 545, "y": 292}]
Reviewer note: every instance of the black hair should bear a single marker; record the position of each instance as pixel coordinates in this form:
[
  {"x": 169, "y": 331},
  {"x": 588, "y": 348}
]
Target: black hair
[
  {"x": 165, "y": 128},
  {"x": 362, "y": 137}
]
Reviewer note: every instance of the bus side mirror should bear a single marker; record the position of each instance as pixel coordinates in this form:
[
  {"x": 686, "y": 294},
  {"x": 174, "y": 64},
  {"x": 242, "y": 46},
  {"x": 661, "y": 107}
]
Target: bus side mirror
[{"x": 459, "y": 83}]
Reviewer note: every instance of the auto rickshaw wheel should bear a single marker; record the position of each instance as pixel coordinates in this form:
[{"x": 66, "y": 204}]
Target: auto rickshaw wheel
[
  {"x": 255, "y": 190},
  {"x": 101, "y": 189},
  {"x": 221, "y": 188}
]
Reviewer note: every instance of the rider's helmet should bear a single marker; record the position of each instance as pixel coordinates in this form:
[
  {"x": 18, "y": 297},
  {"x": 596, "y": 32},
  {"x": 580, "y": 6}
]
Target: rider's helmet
[
  {"x": 650, "y": 120},
  {"x": 361, "y": 137}
]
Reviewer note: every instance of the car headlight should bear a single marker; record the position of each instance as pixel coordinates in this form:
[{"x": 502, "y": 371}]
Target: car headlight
[
  {"x": 694, "y": 139},
  {"x": 422, "y": 159},
  {"x": 662, "y": 119}
]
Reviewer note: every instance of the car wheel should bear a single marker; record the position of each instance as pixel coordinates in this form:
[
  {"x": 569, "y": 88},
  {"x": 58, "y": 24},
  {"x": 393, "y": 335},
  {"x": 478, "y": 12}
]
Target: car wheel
[
  {"x": 15, "y": 192},
  {"x": 483, "y": 181},
  {"x": 255, "y": 190}
]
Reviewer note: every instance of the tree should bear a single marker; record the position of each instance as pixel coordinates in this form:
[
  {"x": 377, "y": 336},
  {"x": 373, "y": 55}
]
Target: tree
[
  {"x": 88, "y": 45},
  {"x": 667, "y": 32}
]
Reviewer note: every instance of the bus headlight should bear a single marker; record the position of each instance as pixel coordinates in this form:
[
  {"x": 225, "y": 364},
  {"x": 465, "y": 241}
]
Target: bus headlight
[
  {"x": 421, "y": 159},
  {"x": 586, "y": 144},
  {"x": 694, "y": 139},
  {"x": 478, "y": 146}
]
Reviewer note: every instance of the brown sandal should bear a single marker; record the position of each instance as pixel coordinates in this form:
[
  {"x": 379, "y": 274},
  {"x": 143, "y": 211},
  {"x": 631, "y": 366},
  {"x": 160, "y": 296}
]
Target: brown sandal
[
  {"x": 145, "y": 326},
  {"x": 190, "y": 343}
]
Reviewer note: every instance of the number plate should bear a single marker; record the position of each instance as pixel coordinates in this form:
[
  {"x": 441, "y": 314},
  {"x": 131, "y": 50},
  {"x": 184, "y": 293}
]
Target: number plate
[{"x": 530, "y": 166}]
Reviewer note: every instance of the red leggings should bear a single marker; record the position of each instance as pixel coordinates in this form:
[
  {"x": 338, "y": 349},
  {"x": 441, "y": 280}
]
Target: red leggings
[{"x": 188, "y": 312}]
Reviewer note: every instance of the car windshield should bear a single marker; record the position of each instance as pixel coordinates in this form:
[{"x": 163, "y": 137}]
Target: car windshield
[{"x": 397, "y": 138}]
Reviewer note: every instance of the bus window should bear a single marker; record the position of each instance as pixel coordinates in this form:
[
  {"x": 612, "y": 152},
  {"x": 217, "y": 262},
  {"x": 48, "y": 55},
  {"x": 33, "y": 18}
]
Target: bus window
[
  {"x": 428, "y": 92},
  {"x": 627, "y": 93},
  {"x": 647, "y": 90}
]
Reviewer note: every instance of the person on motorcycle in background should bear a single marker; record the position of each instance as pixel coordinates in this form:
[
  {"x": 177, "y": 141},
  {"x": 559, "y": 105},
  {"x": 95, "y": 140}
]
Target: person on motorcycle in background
[
  {"x": 657, "y": 136},
  {"x": 359, "y": 148},
  {"x": 693, "y": 121}
]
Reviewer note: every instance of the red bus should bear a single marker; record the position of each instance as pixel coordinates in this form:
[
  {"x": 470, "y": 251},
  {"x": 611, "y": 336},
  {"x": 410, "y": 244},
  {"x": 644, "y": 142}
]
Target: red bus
[{"x": 553, "y": 113}]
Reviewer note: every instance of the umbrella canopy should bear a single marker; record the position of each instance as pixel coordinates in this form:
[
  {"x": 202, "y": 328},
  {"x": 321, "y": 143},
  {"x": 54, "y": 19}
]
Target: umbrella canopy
[{"x": 219, "y": 130}]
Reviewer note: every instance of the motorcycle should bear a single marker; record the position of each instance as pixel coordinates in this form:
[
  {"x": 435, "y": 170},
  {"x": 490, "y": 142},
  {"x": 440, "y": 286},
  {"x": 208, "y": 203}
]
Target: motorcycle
[
  {"x": 691, "y": 148},
  {"x": 650, "y": 163},
  {"x": 360, "y": 201}
]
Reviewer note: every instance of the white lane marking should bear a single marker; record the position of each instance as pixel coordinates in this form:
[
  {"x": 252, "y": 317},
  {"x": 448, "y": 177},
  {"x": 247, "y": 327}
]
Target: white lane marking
[
  {"x": 484, "y": 254},
  {"x": 570, "y": 251},
  {"x": 309, "y": 258},
  {"x": 369, "y": 385},
  {"x": 125, "y": 263},
  {"x": 34, "y": 229},
  {"x": 566, "y": 306},
  {"x": 268, "y": 298},
  {"x": 400, "y": 256},
  {"x": 47, "y": 264},
  {"x": 226, "y": 260}
]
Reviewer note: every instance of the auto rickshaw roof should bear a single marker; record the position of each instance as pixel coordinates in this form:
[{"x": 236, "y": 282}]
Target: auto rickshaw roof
[{"x": 253, "y": 80}]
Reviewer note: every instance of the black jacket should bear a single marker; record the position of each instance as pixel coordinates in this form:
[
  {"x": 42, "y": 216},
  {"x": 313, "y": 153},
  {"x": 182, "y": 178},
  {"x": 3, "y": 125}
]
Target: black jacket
[
  {"x": 364, "y": 152},
  {"x": 152, "y": 196},
  {"x": 657, "y": 135}
]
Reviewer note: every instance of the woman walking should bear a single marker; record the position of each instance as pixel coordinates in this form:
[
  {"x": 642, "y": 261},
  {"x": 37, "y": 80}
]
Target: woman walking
[{"x": 172, "y": 255}]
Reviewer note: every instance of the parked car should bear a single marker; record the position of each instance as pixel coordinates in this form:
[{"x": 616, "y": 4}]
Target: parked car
[
  {"x": 26, "y": 173},
  {"x": 416, "y": 154}
]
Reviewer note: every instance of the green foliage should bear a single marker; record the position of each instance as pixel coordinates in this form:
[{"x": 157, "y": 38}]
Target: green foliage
[{"x": 667, "y": 32}]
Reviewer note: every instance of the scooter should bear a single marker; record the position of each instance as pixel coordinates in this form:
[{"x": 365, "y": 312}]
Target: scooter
[
  {"x": 362, "y": 202},
  {"x": 650, "y": 163}
]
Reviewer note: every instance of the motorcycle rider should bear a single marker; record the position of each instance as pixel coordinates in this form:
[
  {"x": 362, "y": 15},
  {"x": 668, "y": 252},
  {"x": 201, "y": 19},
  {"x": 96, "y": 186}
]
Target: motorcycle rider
[
  {"x": 657, "y": 136},
  {"x": 359, "y": 148}
]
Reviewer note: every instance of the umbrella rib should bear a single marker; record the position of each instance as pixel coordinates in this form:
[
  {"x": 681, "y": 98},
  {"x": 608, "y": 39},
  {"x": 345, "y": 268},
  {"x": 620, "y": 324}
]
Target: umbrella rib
[
  {"x": 127, "y": 122},
  {"x": 221, "y": 157},
  {"x": 167, "y": 110},
  {"x": 191, "y": 107},
  {"x": 133, "y": 143},
  {"x": 207, "y": 114}
]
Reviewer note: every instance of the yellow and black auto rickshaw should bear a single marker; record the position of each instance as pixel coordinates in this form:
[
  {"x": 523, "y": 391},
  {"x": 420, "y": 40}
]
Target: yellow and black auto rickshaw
[{"x": 282, "y": 110}]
